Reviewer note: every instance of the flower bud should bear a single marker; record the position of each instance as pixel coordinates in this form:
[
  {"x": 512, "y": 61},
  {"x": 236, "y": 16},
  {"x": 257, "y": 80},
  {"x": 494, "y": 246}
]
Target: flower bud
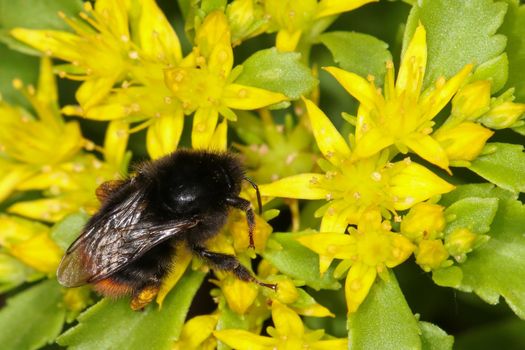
[
  {"x": 464, "y": 141},
  {"x": 431, "y": 254},
  {"x": 503, "y": 115},
  {"x": 472, "y": 100},
  {"x": 239, "y": 295},
  {"x": 423, "y": 221},
  {"x": 459, "y": 243}
]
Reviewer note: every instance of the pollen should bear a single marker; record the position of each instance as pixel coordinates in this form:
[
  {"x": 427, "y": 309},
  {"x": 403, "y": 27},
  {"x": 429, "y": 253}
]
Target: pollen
[{"x": 376, "y": 176}]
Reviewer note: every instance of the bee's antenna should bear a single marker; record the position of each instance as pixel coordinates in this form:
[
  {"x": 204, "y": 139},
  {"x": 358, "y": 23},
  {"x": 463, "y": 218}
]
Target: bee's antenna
[{"x": 254, "y": 185}]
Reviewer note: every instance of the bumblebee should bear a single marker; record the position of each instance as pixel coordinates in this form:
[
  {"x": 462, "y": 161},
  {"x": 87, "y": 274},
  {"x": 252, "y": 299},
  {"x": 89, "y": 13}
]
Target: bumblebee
[{"x": 127, "y": 247}]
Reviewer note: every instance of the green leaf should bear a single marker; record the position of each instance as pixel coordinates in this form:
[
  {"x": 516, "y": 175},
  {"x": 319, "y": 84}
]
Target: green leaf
[
  {"x": 41, "y": 14},
  {"x": 514, "y": 28},
  {"x": 362, "y": 54},
  {"x": 458, "y": 33},
  {"x": 496, "y": 70},
  {"x": 434, "y": 338},
  {"x": 277, "y": 71},
  {"x": 496, "y": 268},
  {"x": 33, "y": 317},
  {"x": 68, "y": 229},
  {"x": 298, "y": 262},
  {"x": 485, "y": 190},
  {"x": 504, "y": 167},
  {"x": 111, "y": 324},
  {"x": 14, "y": 65},
  {"x": 474, "y": 213},
  {"x": 384, "y": 320},
  {"x": 14, "y": 273}
]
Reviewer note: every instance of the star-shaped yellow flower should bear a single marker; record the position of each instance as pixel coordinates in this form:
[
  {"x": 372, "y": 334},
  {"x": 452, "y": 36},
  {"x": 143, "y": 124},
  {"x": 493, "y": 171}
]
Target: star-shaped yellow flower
[
  {"x": 288, "y": 333},
  {"x": 353, "y": 185},
  {"x": 367, "y": 251},
  {"x": 401, "y": 115},
  {"x": 204, "y": 82}
]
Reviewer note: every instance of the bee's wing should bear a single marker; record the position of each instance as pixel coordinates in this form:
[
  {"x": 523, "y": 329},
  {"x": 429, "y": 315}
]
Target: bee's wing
[
  {"x": 116, "y": 236},
  {"x": 90, "y": 261}
]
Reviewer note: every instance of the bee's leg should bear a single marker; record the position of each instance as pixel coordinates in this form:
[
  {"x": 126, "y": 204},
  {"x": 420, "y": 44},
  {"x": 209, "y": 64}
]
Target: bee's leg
[
  {"x": 143, "y": 297},
  {"x": 230, "y": 263},
  {"x": 246, "y": 206},
  {"x": 105, "y": 189}
]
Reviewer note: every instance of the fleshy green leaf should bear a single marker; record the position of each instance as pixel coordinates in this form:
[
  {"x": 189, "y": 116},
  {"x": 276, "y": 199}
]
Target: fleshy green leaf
[
  {"x": 514, "y": 28},
  {"x": 277, "y": 71},
  {"x": 496, "y": 70},
  {"x": 291, "y": 258},
  {"x": 111, "y": 324},
  {"x": 33, "y": 317},
  {"x": 384, "y": 320},
  {"x": 67, "y": 230},
  {"x": 13, "y": 273},
  {"x": 434, "y": 338},
  {"x": 496, "y": 268},
  {"x": 362, "y": 54},
  {"x": 485, "y": 190},
  {"x": 458, "y": 33},
  {"x": 474, "y": 213},
  {"x": 504, "y": 167}
]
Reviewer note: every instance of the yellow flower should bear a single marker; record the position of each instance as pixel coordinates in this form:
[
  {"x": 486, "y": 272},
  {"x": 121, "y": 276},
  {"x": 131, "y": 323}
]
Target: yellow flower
[
  {"x": 291, "y": 19},
  {"x": 68, "y": 187},
  {"x": 288, "y": 333},
  {"x": 367, "y": 250},
  {"x": 460, "y": 242},
  {"x": 246, "y": 19},
  {"x": 351, "y": 186},
  {"x": 423, "y": 221},
  {"x": 431, "y": 254},
  {"x": 124, "y": 42},
  {"x": 203, "y": 83},
  {"x": 503, "y": 115},
  {"x": 197, "y": 334},
  {"x": 471, "y": 101},
  {"x": 401, "y": 115},
  {"x": 463, "y": 142},
  {"x": 30, "y": 243}
]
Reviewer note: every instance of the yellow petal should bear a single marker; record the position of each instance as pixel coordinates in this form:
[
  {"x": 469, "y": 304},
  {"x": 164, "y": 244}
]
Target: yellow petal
[
  {"x": 116, "y": 141},
  {"x": 244, "y": 340},
  {"x": 338, "y": 217},
  {"x": 358, "y": 282},
  {"x": 333, "y": 7},
  {"x": 336, "y": 245},
  {"x": 429, "y": 149},
  {"x": 287, "y": 41},
  {"x": 423, "y": 221},
  {"x": 286, "y": 321},
  {"x": 156, "y": 36},
  {"x": 245, "y": 97},
  {"x": 14, "y": 230},
  {"x": 196, "y": 331},
  {"x": 413, "y": 64},
  {"x": 330, "y": 142},
  {"x": 298, "y": 186},
  {"x": 204, "y": 123},
  {"x": 213, "y": 40},
  {"x": 115, "y": 13},
  {"x": 39, "y": 252},
  {"x": 356, "y": 86},
  {"x": 471, "y": 101},
  {"x": 93, "y": 91},
  {"x": 332, "y": 344},
  {"x": 13, "y": 174},
  {"x": 315, "y": 310},
  {"x": 239, "y": 295},
  {"x": 411, "y": 183},
  {"x": 54, "y": 43},
  {"x": 464, "y": 141},
  {"x": 181, "y": 260},
  {"x": 401, "y": 249},
  {"x": 371, "y": 142},
  {"x": 47, "y": 87},
  {"x": 434, "y": 102},
  {"x": 163, "y": 135},
  {"x": 219, "y": 140}
]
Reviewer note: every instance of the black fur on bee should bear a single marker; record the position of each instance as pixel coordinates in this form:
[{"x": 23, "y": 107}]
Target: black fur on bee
[{"x": 128, "y": 245}]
